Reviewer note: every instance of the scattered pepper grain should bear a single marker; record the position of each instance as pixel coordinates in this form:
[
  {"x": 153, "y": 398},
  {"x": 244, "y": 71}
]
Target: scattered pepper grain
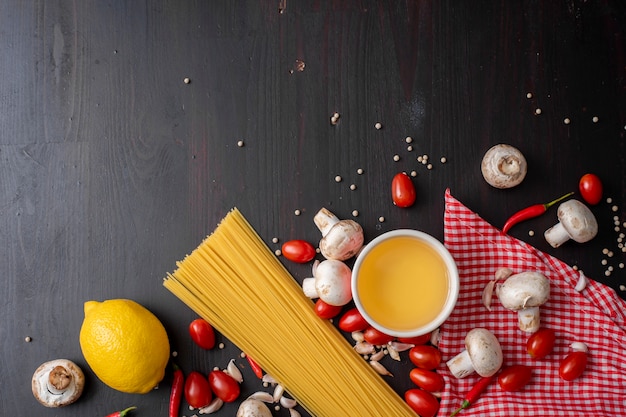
[
  {"x": 359, "y": 171},
  {"x": 529, "y": 95},
  {"x": 396, "y": 158},
  {"x": 355, "y": 213},
  {"x": 353, "y": 187},
  {"x": 381, "y": 219},
  {"x": 408, "y": 139},
  {"x": 567, "y": 121},
  {"x": 28, "y": 339},
  {"x": 443, "y": 160},
  {"x": 378, "y": 126},
  {"x": 187, "y": 80},
  {"x": 338, "y": 178},
  {"x": 595, "y": 119},
  {"x": 297, "y": 212}
]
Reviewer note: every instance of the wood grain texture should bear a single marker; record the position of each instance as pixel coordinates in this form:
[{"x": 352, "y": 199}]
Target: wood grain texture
[{"x": 113, "y": 168}]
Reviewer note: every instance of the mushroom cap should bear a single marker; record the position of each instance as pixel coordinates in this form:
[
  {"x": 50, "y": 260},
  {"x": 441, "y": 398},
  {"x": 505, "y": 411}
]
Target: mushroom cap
[
  {"x": 43, "y": 392},
  {"x": 578, "y": 221},
  {"x": 484, "y": 351},
  {"x": 524, "y": 290},
  {"x": 343, "y": 240},
  {"x": 333, "y": 282},
  {"x": 503, "y": 166}
]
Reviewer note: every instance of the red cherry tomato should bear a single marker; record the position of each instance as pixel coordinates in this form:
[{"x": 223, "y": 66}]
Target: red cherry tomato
[
  {"x": 540, "y": 344},
  {"x": 423, "y": 403},
  {"x": 431, "y": 381},
  {"x": 325, "y": 310},
  {"x": 590, "y": 188},
  {"x": 402, "y": 190},
  {"x": 416, "y": 340},
  {"x": 197, "y": 390},
  {"x": 299, "y": 251},
  {"x": 425, "y": 356},
  {"x": 202, "y": 333},
  {"x": 515, "y": 377},
  {"x": 376, "y": 337},
  {"x": 573, "y": 366},
  {"x": 224, "y": 386},
  {"x": 352, "y": 321}
]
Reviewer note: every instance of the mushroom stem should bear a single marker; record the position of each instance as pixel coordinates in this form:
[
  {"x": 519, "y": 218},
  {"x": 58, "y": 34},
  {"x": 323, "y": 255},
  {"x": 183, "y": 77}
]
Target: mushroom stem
[
  {"x": 529, "y": 319},
  {"x": 461, "y": 365},
  {"x": 325, "y": 220},
  {"x": 58, "y": 380},
  {"x": 556, "y": 235}
]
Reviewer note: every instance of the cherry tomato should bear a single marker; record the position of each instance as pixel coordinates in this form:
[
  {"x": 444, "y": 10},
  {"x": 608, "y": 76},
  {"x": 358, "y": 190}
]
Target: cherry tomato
[
  {"x": 573, "y": 365},
  {"x": 416, "y": 340},
  {"x": 299, "y": 251},
  {"x": 515, "y": 377},
  {"x": 197, "y": 390},
  {"x": 376, "y": 337},
  {"x": 325, "y": 310},
  {"x": 423, "y": 403},
  {"x": 402, "y": 190},
  {"x": 590, "y": 188},
  {"x": 540, "y": 344},
  {"x": 352, "y": 321},
  {"x": 425, "y": 356},
  {"x": 202, "y": 333},
  {"x": 431, "y": 381},
  {"x": 224, "y": 386}
]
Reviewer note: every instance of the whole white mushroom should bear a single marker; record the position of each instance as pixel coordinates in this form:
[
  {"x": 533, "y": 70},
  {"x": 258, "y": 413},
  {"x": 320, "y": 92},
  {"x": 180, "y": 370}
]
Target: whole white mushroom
[
  {"x": 524, "y": 293},
  {"x": 503, "y": 166},
  {"x": 576, "y": 222},
  {"x": 482, "y": 354}
]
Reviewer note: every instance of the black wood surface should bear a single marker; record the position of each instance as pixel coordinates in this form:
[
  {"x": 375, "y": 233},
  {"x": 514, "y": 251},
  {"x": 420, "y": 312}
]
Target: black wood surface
[{"x": 113, "y": 168}]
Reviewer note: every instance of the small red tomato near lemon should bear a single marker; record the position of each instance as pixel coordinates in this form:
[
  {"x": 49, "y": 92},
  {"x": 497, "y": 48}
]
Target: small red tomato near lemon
[
  {"x": 425, "y": 356},
  {"x": 197, "y": 390},
  {"x": 590, "y": 187},
  {"x": 202, "y": 333},
  {"x": 540, "y": 344},
  {"x": 224, "y": 386},
  {"x": 402, "y": 190},
  {"x": 325, "y": 310},
  {"x": 573, "y": 365},
  {"x": 422, "y": 402},
  {"x": 515, "y": 377},
  {"x": 299, "y": 251}
]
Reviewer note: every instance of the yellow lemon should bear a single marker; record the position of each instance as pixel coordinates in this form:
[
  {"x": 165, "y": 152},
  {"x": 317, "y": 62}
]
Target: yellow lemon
[{"x": 125, "y": 345}]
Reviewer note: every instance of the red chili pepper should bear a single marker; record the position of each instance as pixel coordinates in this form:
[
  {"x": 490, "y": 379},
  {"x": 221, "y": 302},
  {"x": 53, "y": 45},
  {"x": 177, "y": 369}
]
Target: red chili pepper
[
  {"x": 258, "y": 371},
  {"x": 473, "y": 394},
  {"x": 531, "y": 212},
  {"x": 121, "y": 413},
  {"x": 176, "y": 394}
]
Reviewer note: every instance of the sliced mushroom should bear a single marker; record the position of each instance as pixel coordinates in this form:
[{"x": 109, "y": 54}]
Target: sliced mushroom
[
  {"x": 58, "y": 383},
  {"x": 524, "y": 293},
  {"x": 503, "y": 166},
  {"x": 341, "y": 239},
  {"x": 576, "y": 222},
  {"x": 482, "y": 354}
]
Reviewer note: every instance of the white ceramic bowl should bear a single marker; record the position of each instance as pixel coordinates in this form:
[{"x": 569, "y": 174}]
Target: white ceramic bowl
[{"x": 384, "y": 259}]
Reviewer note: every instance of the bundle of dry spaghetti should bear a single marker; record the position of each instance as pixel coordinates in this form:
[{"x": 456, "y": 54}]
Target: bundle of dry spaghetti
[{"x": 237, "y": 284}]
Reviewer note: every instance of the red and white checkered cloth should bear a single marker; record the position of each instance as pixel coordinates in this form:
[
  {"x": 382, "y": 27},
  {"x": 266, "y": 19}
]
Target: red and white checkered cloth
[{"x": 596, "y": 316}]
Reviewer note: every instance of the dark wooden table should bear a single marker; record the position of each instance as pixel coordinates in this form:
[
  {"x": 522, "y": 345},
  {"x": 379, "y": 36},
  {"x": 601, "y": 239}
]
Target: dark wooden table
[{"x": 113, "y": 167}]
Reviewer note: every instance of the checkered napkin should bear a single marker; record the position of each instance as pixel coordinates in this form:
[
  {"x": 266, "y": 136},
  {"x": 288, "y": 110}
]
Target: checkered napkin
[{"x": 595, "y": 316}]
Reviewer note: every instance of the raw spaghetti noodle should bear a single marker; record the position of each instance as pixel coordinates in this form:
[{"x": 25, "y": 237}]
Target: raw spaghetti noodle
[{"x": 236, "y": 283}]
